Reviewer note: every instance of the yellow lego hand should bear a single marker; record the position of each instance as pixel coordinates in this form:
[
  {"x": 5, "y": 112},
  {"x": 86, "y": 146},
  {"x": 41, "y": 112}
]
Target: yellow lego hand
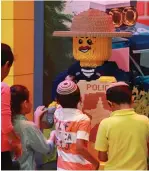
[
  {"x": 107, "y": 79},
  {"x": 53, "y": 104},
  {"x": 102, "y": 164}
]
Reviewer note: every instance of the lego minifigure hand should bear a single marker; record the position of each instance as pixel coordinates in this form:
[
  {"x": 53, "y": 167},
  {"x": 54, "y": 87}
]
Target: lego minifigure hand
[
  {"x": 53, "y": 104},
  {"x": 107, "y": 79}
]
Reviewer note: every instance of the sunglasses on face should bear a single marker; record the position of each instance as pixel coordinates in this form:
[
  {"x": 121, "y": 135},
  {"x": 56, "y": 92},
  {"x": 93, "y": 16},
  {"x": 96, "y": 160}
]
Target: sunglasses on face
[{"x": 126, "y": 16}]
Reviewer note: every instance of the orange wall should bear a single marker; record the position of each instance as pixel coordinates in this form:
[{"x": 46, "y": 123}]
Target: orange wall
[
  {"x": 24, "y": 44},
  {"x": 18, "y": 32}
]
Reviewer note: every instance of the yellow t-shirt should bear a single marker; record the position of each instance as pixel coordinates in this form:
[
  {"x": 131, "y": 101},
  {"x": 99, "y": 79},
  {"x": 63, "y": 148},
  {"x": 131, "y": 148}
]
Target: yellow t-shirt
[{"x": 124, "y": 136}]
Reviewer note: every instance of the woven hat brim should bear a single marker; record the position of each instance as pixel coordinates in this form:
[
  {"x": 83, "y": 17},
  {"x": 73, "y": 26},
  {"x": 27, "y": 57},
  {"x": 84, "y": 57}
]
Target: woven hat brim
[{"x": 91, "y": 34}]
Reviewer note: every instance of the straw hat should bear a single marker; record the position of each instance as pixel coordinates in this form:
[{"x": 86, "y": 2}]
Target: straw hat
[{"x": 92, "y": 23}]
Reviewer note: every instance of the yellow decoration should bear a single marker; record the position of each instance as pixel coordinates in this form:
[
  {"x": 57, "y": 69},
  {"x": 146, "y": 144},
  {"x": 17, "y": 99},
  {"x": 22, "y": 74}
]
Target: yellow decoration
[
  {"x": 107, "y": 79},
  {"x": 130, "y": 16},
  {"x": 92, "y": 51},
  {"x": 117, "y": 17},
  {"x": 124, "y": 16}
]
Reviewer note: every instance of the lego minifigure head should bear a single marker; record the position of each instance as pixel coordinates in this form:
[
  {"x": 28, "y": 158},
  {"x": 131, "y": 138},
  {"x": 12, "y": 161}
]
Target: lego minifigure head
[
  {"x": 92, "y": 51},
  {"x": 92, "y": 33}
]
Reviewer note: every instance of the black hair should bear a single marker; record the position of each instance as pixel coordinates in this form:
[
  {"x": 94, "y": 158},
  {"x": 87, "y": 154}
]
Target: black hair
[
  {"x": 119, "y": 94},
  {"x": 6, "y": 55},
  {"x": 70, "y": 100},
  {"x": 19, "y": 94}
]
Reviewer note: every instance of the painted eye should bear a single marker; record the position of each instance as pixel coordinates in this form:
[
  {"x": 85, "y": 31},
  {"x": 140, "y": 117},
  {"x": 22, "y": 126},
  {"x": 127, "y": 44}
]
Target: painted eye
[
  {"x": 80, "y": 41},
  {"x": 89, "y": 41}
]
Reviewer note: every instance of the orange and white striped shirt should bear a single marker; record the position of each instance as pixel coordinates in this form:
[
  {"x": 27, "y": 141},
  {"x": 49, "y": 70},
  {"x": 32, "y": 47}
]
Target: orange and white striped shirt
[{"x": 71, "y": 124}]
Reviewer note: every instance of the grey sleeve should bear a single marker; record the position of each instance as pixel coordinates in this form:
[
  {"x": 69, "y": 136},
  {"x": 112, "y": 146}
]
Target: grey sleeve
[{"x": 37, "y": 141}]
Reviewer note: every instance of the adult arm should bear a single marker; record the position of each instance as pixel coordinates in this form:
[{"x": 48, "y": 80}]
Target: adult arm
[
  {"x": 6, "y": 124},
  {"x": 7, "y": 127}
]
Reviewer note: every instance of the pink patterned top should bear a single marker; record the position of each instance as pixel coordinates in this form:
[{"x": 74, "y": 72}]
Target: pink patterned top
[{"x": 6, "y": 124}]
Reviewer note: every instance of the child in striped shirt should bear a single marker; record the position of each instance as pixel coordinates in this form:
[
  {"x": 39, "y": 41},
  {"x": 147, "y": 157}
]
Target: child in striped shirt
[{"x": 72, "y": 131}]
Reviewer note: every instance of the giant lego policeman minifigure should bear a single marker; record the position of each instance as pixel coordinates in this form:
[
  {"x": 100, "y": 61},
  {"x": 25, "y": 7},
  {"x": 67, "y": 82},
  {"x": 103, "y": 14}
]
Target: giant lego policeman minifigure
[{"x": 92, "y": 32}]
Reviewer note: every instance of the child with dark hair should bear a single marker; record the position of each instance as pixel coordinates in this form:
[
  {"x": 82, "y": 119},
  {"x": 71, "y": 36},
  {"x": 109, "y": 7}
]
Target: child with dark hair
[
  {"x": 122, "y": 138},
  {"x": 70, "y": 100},
  {"x": 72, "y": 130},
  {"x": 31, "y": 137},
  {"x": 10, "y": 141}
]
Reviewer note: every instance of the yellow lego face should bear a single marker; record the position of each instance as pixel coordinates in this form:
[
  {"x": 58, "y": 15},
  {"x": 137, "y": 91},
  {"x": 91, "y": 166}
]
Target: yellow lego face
[{"x": 92, "y": 51}]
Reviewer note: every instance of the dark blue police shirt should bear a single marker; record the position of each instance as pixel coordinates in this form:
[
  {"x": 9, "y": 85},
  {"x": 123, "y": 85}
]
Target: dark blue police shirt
[{"x": 107, "y": 69}]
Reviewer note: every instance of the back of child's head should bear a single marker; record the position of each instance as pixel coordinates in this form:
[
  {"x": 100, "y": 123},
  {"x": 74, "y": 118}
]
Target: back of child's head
[
  {"x": 6, "y": 55},
  {"x": 119, "y": 93},
  {"x": 68, "y": 94},
  {"x": 19, "y": 94}
]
